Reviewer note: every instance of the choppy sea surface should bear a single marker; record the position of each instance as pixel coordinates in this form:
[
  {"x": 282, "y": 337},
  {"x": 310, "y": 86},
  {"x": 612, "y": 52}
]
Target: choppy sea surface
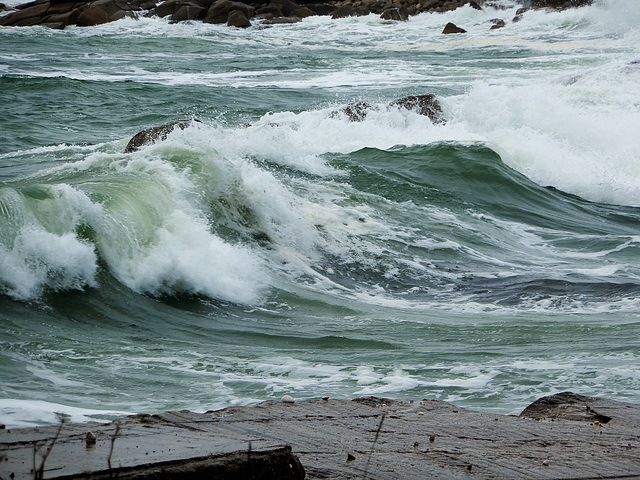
[{"x": 277, "y": 248}]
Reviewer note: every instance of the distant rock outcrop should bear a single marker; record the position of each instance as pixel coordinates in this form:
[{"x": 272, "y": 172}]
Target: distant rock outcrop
[{"x": 62, "y": 13}]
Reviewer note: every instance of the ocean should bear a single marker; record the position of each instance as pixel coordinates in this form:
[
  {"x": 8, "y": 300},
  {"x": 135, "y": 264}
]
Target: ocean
[{"x": 276, "y": 247}]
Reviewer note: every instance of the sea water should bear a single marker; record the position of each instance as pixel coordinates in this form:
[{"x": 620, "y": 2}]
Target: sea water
[{"x": 275, "y": 247}]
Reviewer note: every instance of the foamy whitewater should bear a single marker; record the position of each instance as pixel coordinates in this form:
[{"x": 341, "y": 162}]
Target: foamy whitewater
[{"x": 277, "y": 247}]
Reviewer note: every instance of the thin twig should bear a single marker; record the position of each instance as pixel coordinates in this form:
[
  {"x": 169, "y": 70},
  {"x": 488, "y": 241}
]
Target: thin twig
[
  {"x": 373, "y": 445},
  {"x": 113, "y": 441},
  {"x": 39, "y": 471}
]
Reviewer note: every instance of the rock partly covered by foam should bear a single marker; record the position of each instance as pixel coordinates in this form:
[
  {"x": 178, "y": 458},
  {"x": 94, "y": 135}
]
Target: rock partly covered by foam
[
  {"x": 155, "y": 134},
  {"x": 426, "y": 105}
]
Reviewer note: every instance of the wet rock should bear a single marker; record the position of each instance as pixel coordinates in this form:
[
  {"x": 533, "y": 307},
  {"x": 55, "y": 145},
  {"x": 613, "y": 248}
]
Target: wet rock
[
  {"x": 426, "y": 105},
  {"x": 287, "y": 7},
  {"x": 270, "y": 10},
  {"x": 396, "y": 14},
  {"x": 355, "y": 112},
  {"x": 24, "y": 17},
  {"x": 349, "y": 11},
  {"x": 322, "y": 8},
  {"x": 220, "y": 10},
  {"x": 238, "y": 19},
  {"x": 92, "y": 16},
  {"x": 566, "y": 406},
  {"x": 302, "y": 12},
  {"x": 452, "y": 28},
  {"x": 287, "y": 399},
  {"x": 189, "y": 12},
  {"x": 281, "y": 20},
  {"x": 154, "y": 134},
  {"x": 497, "y": 23},
  {"x": 560, "y": 4}
]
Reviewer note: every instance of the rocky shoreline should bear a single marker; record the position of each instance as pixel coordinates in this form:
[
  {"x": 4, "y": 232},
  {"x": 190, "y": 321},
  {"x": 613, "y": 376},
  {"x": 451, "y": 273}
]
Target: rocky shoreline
[
  {"x": 564, "y": 436},
  {"x": 59, "y": 14}
]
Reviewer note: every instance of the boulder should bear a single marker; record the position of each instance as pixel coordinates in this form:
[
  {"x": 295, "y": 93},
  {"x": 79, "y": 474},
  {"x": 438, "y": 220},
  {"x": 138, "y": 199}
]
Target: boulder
[
  {"x": 270, "y": 10},
  {"x": 238, "y": 19},
  {"x": 303, "y": 12},
  {"x": 220, "y": 10},
  {"x": 92, "y": 16},
  {"x": 64, "y": 19},
  {"x": 281, "y": 20},
  {"x": 322, "y": 8},
  {"x": 154, "y": 134},
  {"x": 168, "y": 8},
  {"x": 3, "y": 7},
  {"x": 560, "y": 4},
  {"x": 397, "y": 14},
  {"x": 497, "y": 23},
  {"x": 58, "y": 8},
  {"x": 566, "y": 406},
  {"x": 452, "y": 28},
  {"x": 355, "y": 112},
  {"x": 349, "y": 11},
  {"x": 426, "y": 105},
  {"x": 189, "y": 12},
  {"x": 33, "y": 14},
  {"x": 287, "y": 7}
]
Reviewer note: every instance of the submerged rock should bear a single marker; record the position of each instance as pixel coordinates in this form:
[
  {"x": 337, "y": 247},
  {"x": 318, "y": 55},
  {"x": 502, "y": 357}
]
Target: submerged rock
[{"x": 154, "y": 134}]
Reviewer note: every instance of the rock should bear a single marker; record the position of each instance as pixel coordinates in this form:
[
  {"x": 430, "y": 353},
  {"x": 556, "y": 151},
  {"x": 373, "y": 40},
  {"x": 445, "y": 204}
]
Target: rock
[
  {"x": 322, "y": 8},
  {"x": 154, "y": 134},
  {"x": 287, "y": 399},
  {"x": 451, "y": 28},
  {"x": 189, "y": 12},
  {"x": 287, "y": 7},
  {"x": 497, "y": 23},
  {"x": 560, "y": 4},
  {"x": 348, "y": 11},
  {"x": 238, "y": 19},
  {"x": 65, "y": 19},
  {"x": 220, "y": 10},
  {"x": 302, "y": 12},
  {"x": 90, "y": 438},
  {"x": 566, "y": 406},
  {"x": 397, "y": 14},
  {"x": 281, "y": 20},
  {"x": 92, "y": 16},
  {"x": 31, "y": 15},
  {"x": 270, "y": 9},
  {"x": 356, "y": 112},
  {"x": 426, "y": 105},
  {"x": 474, "y": 5},
  {"x": 3, "y": 7},
  {"x": 168, "y": 8},
  {"x": 216, "y": 444}
]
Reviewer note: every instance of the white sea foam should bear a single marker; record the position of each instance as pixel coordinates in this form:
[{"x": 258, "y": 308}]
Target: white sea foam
[{"x": 14, "y": 413}]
